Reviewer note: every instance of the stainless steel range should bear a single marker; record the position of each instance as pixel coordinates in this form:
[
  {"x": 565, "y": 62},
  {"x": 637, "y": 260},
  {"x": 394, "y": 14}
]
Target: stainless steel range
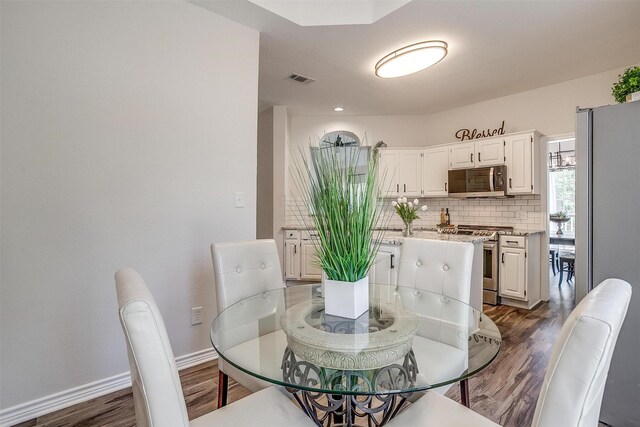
[{"x": 490, "y": 272}]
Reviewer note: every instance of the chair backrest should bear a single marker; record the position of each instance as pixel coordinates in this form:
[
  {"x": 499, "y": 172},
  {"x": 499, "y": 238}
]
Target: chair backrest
[
  {"x": 439, "y": 266},
  {"x": 573, "y": 386},
  {"x": 243, "y": 269},
  {"x": 444, "y": 268},
  {"x": 157, "y": 393}
]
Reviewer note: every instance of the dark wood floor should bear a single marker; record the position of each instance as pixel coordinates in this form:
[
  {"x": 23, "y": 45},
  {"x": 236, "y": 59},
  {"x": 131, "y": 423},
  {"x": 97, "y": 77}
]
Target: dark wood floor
[{"x": 505, "y": 392}]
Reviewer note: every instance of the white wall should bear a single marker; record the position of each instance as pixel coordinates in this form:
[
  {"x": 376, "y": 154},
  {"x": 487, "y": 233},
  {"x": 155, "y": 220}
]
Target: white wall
[
  {"x": 550, "y": 109},
  {"x": 126, "y": 129}
]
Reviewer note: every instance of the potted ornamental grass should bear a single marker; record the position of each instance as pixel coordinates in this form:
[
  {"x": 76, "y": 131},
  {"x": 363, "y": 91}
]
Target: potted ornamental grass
[{"x": 340, "y": 188}]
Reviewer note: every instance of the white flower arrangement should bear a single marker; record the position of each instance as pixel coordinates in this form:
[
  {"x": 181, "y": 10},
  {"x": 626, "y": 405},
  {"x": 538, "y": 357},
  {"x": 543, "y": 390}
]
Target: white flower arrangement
[{"x": 406, "y": 210}]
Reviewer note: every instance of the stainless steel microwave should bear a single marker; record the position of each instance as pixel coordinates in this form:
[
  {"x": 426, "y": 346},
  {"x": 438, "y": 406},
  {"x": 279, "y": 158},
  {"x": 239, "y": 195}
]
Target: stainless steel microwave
[{"x": 478, "y": 182}]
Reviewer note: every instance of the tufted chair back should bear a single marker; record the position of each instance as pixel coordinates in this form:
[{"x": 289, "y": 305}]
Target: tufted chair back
[
  {"x": 243, "y": 269},
  {"x": 571, "y": 394},
  {"x": 157, "y": 393},
  {"x": 444, "y": 268}
]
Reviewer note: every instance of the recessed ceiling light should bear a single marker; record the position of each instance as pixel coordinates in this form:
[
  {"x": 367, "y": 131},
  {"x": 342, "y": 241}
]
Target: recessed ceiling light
[
  {"x": 338, "y": 109},
  {"x": 411, "y": 59}
]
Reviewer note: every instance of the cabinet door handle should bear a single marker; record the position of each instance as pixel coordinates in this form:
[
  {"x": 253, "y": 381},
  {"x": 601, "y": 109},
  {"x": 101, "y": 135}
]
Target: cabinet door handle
[
  {"x": 479, "y": 157},
  {"x": 510, "y": 183},
  {"x": 397, "y": 188},
  {"x": 392, "y": 257},
  {"x": 445, "y": 187},
  {"x": 512, "y": 241},
  {"x": 405, "y": 188},
  {"x": 295, "y": 249},
  {"x": 471, "y": 157},
  {"x": 503, "y": 258}
]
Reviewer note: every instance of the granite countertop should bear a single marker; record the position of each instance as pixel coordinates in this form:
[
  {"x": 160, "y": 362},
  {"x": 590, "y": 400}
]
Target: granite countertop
[
  {"x": 396, "y": 238},
  {"x": 395, "y": 234},
  {"x": 521, "y": 232}
]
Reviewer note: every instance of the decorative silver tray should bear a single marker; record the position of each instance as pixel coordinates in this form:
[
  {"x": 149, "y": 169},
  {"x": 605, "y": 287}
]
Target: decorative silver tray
[{"x": 378, "y": 338}]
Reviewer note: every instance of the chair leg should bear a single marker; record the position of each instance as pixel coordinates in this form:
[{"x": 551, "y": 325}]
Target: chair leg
[
  {"x": 561, "y": 271},
  {"x": 553, "y": 263},
  {"x": 223, "y": 385},
  {"x": 464, "y": 392}
]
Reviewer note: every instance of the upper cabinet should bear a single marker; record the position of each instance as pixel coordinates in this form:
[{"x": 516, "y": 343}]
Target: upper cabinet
[
  {"x": 475, "y": 154},
  {"x": 462, "y": 155},
  {"x": 521, "y": 153},
  {"x": 425, "y": 172},
  {"x": 490, "y": 152},
  {"x": 435, "y": 173},
  {"x": 400, "y": 172}
]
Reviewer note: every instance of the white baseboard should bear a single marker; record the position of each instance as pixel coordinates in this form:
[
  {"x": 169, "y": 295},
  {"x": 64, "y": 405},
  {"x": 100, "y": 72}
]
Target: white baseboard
[{"x": 55, "y": 402}]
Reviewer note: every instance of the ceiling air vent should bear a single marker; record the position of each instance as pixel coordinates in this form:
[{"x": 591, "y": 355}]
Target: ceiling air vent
[{"x": 297, "y": 78}]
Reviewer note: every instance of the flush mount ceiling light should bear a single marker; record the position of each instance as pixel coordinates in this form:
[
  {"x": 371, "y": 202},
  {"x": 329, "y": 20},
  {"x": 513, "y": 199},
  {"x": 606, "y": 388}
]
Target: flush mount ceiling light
[
  {"x": 338, "y": 109},
  {"x": 411, "y": 59}
]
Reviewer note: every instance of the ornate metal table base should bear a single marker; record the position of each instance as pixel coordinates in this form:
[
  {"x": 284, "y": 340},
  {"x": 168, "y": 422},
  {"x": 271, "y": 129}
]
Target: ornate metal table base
[{"x": 344, "y": 409}]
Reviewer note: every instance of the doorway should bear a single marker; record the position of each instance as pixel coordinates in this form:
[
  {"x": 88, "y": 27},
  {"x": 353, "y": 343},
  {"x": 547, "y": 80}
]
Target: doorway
[{"x": 561, "y": 207}]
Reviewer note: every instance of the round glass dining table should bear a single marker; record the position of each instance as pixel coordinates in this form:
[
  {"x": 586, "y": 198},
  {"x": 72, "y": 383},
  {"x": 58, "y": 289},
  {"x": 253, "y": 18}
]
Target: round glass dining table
[{"x": 341, "y": 370}]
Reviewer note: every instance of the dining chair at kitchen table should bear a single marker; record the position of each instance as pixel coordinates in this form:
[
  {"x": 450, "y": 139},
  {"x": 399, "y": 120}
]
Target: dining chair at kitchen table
[
  {"x": 242, "y": 269},
  {"x": 571, "y": 393},
  {"x": 157, "y": 392},
  {"x": 444, "y": 268}
]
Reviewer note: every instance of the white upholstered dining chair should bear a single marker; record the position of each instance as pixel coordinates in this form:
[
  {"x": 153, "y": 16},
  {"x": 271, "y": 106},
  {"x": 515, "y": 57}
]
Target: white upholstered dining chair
[
  {"x": 243, "y": 269},
  {"x": 444, "y": 268},
  {"x": 157, "y": 392},
  {"x": 571, "y": 393}
]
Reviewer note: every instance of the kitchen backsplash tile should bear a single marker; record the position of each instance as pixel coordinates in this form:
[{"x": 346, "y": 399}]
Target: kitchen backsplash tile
[{"x": 501, "y": 212}]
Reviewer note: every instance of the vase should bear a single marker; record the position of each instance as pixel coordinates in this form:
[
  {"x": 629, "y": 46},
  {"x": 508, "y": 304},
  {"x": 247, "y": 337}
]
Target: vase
[
  {"x": 407, "y": 231},
  {"x": 559, "y": 222},
  {"x": 346, "y": 299}
]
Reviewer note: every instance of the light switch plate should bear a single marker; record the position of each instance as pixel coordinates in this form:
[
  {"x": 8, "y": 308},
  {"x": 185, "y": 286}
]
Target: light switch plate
[
  {"x": 239, "y": 199},
  {"x": 196, "y": 315}
]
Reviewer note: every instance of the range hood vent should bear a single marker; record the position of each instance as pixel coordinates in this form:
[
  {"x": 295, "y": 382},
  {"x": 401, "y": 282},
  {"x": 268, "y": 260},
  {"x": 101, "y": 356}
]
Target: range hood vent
[{"x": 297, "y": 78}]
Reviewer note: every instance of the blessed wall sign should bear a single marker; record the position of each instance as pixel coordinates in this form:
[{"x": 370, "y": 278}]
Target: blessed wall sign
[{"x": 469, "y": 134}]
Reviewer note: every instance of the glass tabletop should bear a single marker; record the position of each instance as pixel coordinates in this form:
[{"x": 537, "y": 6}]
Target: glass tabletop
[{"x": 409, "y": 340}]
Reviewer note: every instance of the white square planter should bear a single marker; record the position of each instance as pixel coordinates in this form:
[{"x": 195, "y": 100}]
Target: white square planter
[{"x": 346, "y": 299}]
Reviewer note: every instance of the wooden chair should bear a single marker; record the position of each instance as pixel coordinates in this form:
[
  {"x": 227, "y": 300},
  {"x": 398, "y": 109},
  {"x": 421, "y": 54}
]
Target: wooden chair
[
  {"x": 553, "y": 259},
  {"x": 567, "y": 263}
]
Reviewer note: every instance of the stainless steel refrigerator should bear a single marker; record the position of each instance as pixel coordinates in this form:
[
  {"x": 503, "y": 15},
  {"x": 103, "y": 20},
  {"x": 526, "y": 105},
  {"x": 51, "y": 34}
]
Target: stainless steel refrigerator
[{"x": 608, "y": 237}]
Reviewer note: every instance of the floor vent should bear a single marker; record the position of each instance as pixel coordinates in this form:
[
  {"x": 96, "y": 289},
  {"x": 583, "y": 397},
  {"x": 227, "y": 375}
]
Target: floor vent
[{"x": 297, "y": 78}]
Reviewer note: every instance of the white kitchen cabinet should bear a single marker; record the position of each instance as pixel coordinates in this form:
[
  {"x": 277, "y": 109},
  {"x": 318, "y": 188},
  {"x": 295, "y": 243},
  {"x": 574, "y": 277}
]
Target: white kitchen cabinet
[
  {"x": 521, "y": 152},
  {"x": 300, "y": 261},
  {"x": 475, "y": 154},
  {"x": 435, "y": 172},
  {"x": 513, "y": 273},
  {"x": 309, "y": 268},
  {"x": 291, "y": 260},
  {"x": 462, "y": 155},
  {"x": 385, "y": 266},
  {"x": 519, "y": 267},
  {"x": 400, "y": 172},
  {"x": 490, "y": 152},
  {"x": 387, "y": 170}
]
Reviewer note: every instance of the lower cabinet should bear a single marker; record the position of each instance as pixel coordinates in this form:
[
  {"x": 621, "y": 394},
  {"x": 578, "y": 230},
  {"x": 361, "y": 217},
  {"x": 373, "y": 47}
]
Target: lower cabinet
[
  {"x": 519, "y": 278},
  {"x": 309, "y": 267},
  {"x": 384, "y": 270},
  {"x": 300, "y": 261}
]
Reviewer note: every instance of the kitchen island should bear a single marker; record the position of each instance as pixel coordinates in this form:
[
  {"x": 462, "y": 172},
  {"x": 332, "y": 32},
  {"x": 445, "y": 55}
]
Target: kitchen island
[{"x": 385, "y": 268}]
